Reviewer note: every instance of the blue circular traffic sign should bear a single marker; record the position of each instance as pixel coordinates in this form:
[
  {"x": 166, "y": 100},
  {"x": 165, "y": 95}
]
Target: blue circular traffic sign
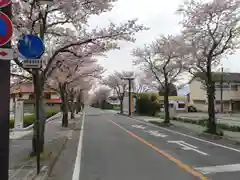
[
  {"x": 31, "y": 47},
  {"x": 6, "y": 29}
]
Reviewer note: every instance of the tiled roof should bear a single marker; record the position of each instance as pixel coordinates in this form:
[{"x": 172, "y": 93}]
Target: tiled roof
[
  {"x": 25, "y": 88},
  {"x": 54, "y": 101}
]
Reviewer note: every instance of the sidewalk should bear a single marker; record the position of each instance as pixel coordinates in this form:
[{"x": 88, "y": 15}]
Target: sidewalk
[
  {"x": 23, "y": 167},
  {"x": 193, "y": 127}
]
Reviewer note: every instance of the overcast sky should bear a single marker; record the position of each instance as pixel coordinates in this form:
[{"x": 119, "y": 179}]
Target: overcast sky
[{"x": 159, "y": 16}]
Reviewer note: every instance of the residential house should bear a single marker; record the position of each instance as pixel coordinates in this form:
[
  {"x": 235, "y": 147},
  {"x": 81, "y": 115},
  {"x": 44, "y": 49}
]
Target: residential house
[
  {"x": 230, "y": 92},
  {"x": 177, "y": 102},
  {"x": 25, "y": 92}
]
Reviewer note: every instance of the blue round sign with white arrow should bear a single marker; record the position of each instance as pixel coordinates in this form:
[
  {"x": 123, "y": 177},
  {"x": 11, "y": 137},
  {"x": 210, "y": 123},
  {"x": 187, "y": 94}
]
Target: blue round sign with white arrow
[{"x": 31, "y": 47}]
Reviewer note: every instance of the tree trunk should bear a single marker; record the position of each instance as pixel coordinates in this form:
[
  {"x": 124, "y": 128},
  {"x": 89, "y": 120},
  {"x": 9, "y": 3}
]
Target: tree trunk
[
  {"x": 166, "y": 102},
  {"x": 72, "y": 104},
  {"x": 121, "y": 105},
  {"x": 40, "y": 120},
  {"x": 211, "y": 128},
  {"x": 64, "y": 105},
  {"x": 78, "y": 104}
]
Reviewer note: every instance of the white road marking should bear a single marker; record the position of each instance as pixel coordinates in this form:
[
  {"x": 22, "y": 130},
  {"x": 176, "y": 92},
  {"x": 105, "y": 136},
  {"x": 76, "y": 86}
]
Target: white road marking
[
  {"x": 77, "y": 166},
  {"x": 138, "y": 126},
  {"x": 217, "y": 169},
  {"x": 156, "y": 133},
  {"x": 189, "y": 136},
  {"x": 186, "y": 146}
]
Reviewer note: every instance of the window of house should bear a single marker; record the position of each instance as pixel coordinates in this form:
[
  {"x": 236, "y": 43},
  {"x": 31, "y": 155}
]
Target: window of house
[
  {"x": 181, "y": 105},
  {"x": 225, "y": 87}
]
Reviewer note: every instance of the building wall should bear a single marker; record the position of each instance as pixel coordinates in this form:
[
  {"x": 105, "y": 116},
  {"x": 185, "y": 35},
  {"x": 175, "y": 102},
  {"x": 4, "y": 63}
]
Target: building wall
[
  {"x": 25, "y": 95},
  {"x": 55, "y": 96},
  {"x": 198, "y": 95}
]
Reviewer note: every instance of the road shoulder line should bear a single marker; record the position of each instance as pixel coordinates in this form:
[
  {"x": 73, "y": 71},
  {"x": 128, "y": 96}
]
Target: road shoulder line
[
  {"x": 173, "y": 159},
  {"x": 77, "y": 166}
]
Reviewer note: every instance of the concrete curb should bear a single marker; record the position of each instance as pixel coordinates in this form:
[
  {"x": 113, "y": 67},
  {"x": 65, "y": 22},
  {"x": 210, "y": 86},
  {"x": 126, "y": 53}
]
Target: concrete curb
[
  {"x": 31, "y": 126},
  {"x": 46, "y": 171}
]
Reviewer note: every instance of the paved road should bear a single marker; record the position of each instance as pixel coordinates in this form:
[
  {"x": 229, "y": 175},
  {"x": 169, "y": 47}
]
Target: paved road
[{"x": 118, "y": 147}]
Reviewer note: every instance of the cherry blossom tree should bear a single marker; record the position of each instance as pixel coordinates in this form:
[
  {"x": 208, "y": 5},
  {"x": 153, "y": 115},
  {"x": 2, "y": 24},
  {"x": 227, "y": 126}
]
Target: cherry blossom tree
[
  {"x": 212, "y": 31},
  {"x": 100, "y": 96},
  {"x": 164, "y": 59},
  {"x": 116, "y": 83},
  {"x": 63, "y": 28},
  {"x": 71, "y": 77},
  {"x": 142, "y": 83}
]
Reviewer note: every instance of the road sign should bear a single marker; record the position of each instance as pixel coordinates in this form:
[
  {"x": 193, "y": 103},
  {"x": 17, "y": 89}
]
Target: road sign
[
  {"x": 31, "y": 47},
  {"x": 6, "y": 29},
  {"x": 32, "y": 63},
  {"x": 4, "y": 3},
  {"x": 6, "y": 54}
]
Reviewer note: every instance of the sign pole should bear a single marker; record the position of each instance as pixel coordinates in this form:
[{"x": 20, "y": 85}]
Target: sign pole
[
  {"x": 37, "y": 100},
  {"x": 4, "y": 106}
]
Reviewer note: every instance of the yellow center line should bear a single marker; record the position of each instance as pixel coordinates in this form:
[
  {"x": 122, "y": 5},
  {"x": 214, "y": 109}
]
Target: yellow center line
[{"x": 173, "y": 159}]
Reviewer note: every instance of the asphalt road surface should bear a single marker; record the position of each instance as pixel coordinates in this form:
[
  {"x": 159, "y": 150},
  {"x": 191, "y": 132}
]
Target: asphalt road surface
[{"x": 114, "y": 147}]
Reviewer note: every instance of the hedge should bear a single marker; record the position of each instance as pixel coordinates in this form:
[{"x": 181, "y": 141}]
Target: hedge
[
  {"x": 148, "y": 104},
  {"x": 30, "y": 119}
]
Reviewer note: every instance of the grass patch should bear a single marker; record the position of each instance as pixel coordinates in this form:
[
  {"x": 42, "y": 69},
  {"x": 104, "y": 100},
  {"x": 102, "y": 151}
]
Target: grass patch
[
  {"x": 116, "y": 108},
  {"x": 161, "y": 124}
]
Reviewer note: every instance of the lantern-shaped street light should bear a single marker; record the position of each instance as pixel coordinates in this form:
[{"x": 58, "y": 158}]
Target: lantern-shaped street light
[{"x": 130, "y": 79}]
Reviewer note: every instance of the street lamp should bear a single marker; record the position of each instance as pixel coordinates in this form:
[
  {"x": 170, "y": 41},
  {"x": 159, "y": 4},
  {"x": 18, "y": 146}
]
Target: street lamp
[
  {"x": 130, "y": 79},
  {"x": 221, "y": 89}
]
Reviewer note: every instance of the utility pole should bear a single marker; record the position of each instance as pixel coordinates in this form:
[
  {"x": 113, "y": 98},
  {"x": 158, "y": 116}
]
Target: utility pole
[
  {"x": 4, "y": 103},
  {"x": 221, "y": 89},
  {"x": 130, "y": 79}
]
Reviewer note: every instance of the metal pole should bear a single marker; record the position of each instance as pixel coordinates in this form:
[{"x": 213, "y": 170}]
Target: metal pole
[
  {"x": 37, "y": 123},
  {"x": 221, "y": 93},
  {"x": 4, "y": 107},
  {"x": 129, "y": 97}
]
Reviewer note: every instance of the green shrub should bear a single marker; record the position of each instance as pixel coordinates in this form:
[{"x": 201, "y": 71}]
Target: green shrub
[
  {"x": 11, "y": 123},
  {"x": 148, "y": 104},
  {"x": 51, "y": 113},
  {"x": 203, "y": 122},
  {"x": 30, "y": 119},
  {"x": 106, "y": 105},
  {"x": 117, "y": 108}
]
